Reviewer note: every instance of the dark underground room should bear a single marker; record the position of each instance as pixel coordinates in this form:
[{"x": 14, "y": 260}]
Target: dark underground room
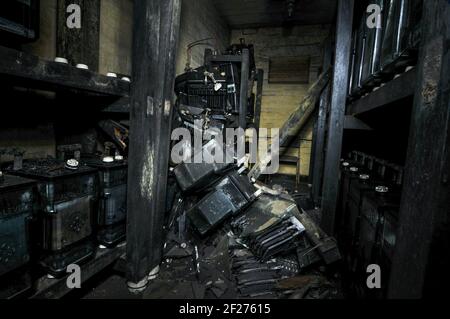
[{"x": 221, "y": 158}]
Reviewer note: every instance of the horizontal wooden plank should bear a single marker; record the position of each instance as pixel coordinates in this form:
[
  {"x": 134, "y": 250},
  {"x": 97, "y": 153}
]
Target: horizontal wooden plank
[
  {"x": 23, "y": 69},
  {"x": 395, "y": 90},
  {"x": 56, "y": 288}
]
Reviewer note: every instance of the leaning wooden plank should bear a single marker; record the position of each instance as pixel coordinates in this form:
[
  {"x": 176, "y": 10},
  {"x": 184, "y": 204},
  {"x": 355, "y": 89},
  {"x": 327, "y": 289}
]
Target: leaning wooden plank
[{"x": 294, "y": 124}]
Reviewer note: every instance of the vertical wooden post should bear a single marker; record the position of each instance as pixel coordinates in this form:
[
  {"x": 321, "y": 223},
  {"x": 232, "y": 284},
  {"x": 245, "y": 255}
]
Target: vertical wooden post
[
  {"x": 79, "y": 45},
  {"x": 421, "y": 259},
  {"x": 318, "y": 149},
  {"x": 337, "y": 113},
  {"x": 243, "y": 101},
  {"x": 155, "y": 32}
]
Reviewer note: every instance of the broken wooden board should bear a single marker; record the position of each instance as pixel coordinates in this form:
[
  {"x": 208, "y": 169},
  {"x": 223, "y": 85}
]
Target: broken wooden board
[{"x": 294, "y": 124}]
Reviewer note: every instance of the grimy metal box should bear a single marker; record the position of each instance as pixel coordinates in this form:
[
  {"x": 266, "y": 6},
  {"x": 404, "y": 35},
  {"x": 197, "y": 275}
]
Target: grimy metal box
[
  {"x": 16, "y": 208},
  {"x": 112, "y": 204},
  {"x": 193, "y": 176},
  {"x": 65, "y": 214},
  {"x": 229, "y": 197}
]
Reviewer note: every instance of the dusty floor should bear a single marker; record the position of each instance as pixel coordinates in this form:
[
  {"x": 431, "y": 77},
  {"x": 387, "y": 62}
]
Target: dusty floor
[{"x": 219, "y": 267}]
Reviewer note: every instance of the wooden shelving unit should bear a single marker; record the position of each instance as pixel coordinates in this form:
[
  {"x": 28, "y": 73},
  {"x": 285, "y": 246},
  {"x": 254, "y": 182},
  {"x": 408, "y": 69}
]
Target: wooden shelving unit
[
  {"x": 20, "y": 69},
  {"x": 419, "y": 258},
  {"x": 27, "y": 70},
  {"x": 392, "y": 91}
]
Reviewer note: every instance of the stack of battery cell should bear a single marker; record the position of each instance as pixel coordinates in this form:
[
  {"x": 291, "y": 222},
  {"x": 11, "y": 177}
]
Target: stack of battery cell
[
  {"x": 402, "y": 33},
  {"x": 371, "y": 198},
  {"x": 280, "y": 237},
  {"x": 215, "y": 87},
  {"x": 65, "y": 215},
  {"x": 270, "y": 226},
  {"x": 381, "y": 51}
]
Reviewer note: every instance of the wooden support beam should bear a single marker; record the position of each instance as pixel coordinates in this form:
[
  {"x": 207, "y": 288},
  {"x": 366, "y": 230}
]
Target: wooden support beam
[
  {"x": 243, "y": 100},
  {"x": 156, "y": 28},
  {"x": 319, "y": 133},
  {"x": 319, "y": 140},
  {"x": 79, "y": 45},
  {"x": 337, "y": 113},
  {"x": 421, "y": 259}
]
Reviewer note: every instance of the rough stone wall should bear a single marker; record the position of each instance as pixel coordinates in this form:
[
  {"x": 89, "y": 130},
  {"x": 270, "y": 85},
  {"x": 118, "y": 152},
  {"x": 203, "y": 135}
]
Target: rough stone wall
[
  {"x": 200, "y": 20},
  {"x": 116, "y": 28}
]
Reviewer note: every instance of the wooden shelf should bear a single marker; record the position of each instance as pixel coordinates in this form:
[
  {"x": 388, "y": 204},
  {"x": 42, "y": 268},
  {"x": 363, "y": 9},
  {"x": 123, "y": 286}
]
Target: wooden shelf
[
  {"x": 56, "y": 288},
  {"x": 395, "y": 90},
  {"x": 121, "y": 106},
  {"x": 26, "y": 70}
]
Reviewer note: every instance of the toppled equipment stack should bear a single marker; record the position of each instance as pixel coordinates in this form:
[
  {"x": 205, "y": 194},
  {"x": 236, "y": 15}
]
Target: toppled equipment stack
[{"x": 269, "y": 239}]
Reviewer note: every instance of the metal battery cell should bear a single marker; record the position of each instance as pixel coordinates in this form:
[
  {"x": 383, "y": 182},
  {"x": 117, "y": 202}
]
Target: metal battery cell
[
  {"x": 371, "y": 65},
  {"x": 112, "y": 204},
  {"x": 16, "y": 208},
  {"x": 352, "y": 172},
  {"x": 229, "y": 197},
  {"x": 196, "y": 176},
  {"x": 352, "y": 63},
  {"x": 401, "y": 34},
  {"x": 352, "y": 207},
  {"x": 374, "y": 207},
  {"x": 387, "y": 237},
  {"x": 66, "y": 199},
  {"x": 359, "y": 58}
]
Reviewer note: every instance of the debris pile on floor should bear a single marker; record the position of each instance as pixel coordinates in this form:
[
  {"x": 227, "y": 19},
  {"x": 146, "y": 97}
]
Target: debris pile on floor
[{"x": 229, "y": 237}]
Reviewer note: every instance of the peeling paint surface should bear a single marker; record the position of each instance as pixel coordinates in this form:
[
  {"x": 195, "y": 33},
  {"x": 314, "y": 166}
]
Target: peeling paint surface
[
  {"x": 432, "y": 71},
  {"x": 148, "y": 174}
]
